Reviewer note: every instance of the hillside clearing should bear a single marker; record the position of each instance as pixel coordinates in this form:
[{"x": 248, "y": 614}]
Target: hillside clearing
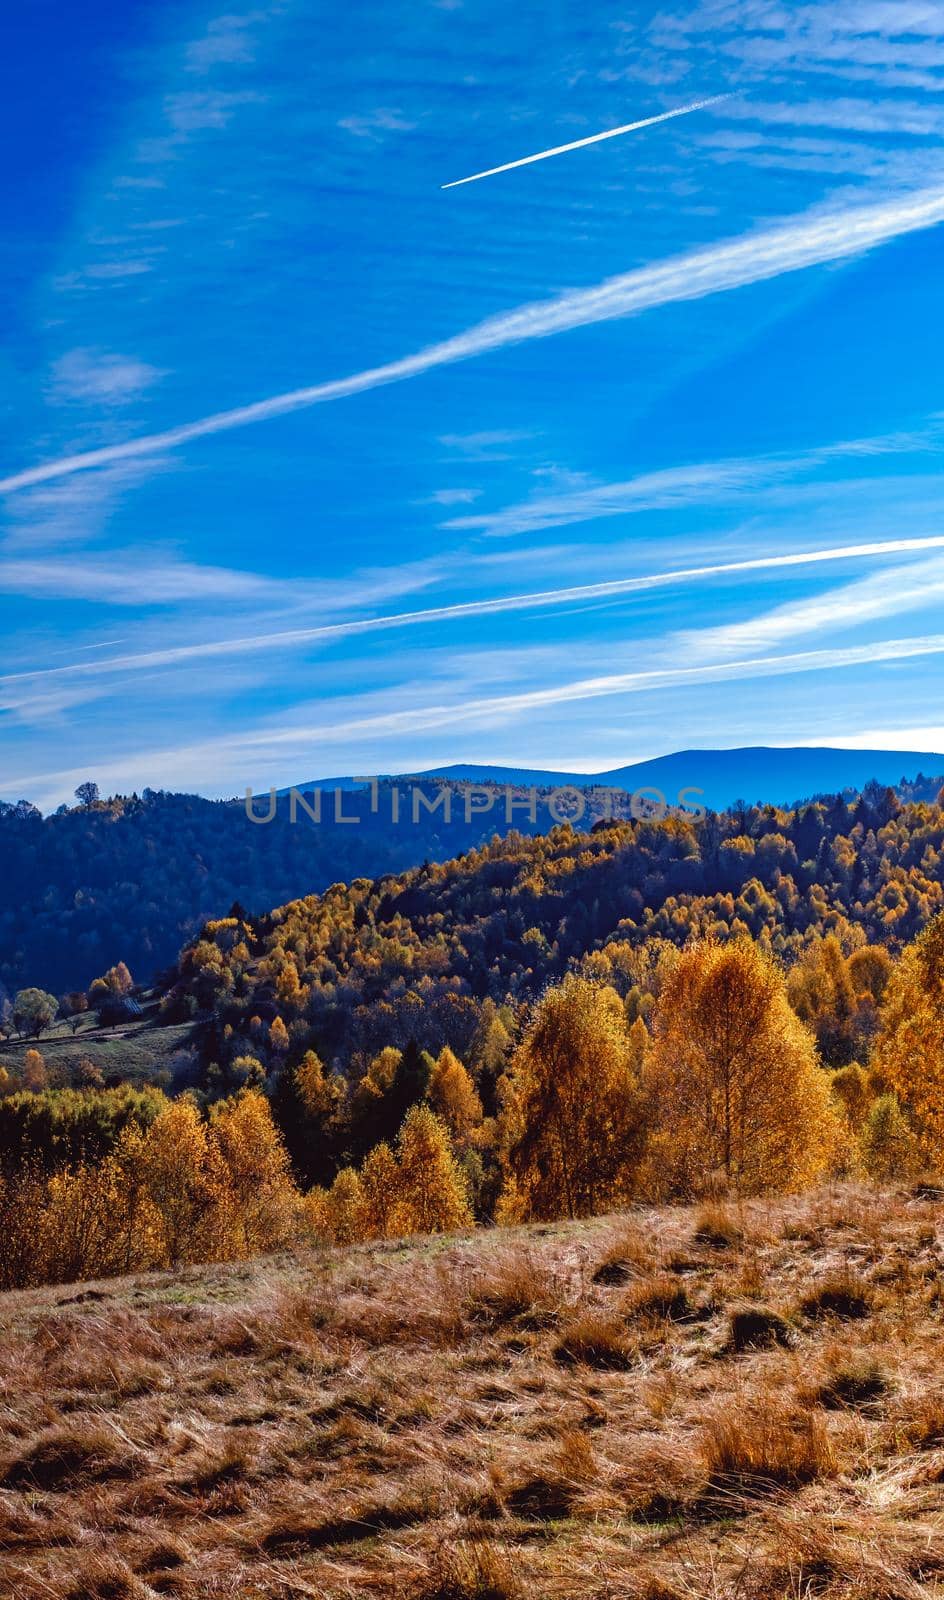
[{"x": 136, "y": 1052}]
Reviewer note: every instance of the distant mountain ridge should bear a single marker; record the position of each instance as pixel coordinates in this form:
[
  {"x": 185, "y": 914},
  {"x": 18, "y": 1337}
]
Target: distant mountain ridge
[{"x": 756, "y": 773}]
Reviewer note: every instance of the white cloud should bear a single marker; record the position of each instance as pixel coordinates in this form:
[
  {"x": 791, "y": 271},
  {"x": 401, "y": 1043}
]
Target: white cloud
[
  {"x": 488, "y": 446},
  {"x": 375, "y": 124},
  {"x": 699, "y": 484},
  {"x": 195, "y": 111},
  {"x": 99, "y": 377},
  {"x": 130, "y": 578},
  {"x": 753, "y": 258},
  {"x": 228, "y": 41},
  {"x": 453, "y": 497},
  {"x": 72, "y": 511},
  {"x": 917, "y": 118},
  {"x": 889, "y": 593},
  {"x": 174, "y": 581}
]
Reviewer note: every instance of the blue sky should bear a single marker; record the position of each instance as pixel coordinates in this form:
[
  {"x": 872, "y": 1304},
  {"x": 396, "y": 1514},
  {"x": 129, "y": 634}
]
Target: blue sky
[{"x": 292, "y": 438}]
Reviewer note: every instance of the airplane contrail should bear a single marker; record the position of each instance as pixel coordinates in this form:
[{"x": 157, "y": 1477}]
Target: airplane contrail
[
  {"x": 175, "y": 655},
  {"x": 756, "y": 257},
  {"x": 594, "y": 138}
]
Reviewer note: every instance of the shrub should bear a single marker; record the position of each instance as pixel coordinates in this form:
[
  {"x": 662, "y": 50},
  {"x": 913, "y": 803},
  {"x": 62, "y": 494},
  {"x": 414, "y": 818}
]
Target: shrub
[
  {"x": 839, "y": 1295},
  {"x": 855, "y": 1382}
]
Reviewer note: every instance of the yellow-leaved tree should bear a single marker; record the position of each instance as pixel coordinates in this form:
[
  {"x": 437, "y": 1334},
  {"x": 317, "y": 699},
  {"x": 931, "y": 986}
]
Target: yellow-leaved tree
[
  {"x": 453, "y": 1097},
  {"x": 35, "y": 1073},
  {"x": 263, "y": 1203},
  {"x": 430, "y": 1192},
  {"x": 378, "y": 1178},
  {"x": 321, "y": 1092},
  {"x": 574, "y": 1126},
  {"x": 187, "y": 1189},
  {"x": 736, "y": 1087},
  {"x": 343, "y": 1207},
  {"x": 909, "y": 1050},
  {"x": 138, "y": 1230},
  {"x": 278, "y": 1036},
  {"x": 890, "y": 1149},
  {"x": 79, "y": 1222}
]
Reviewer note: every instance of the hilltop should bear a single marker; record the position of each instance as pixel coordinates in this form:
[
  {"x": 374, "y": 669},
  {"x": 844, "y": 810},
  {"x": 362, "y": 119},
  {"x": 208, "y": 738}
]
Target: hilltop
[{"x": 742, "y": 1401}]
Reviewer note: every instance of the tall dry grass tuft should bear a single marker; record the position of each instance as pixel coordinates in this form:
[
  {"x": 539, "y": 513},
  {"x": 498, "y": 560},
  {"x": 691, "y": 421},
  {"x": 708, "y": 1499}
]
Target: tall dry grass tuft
[
  {"x": 106, "y": 1578},
  {"x": 595, "y": 1340},
  {"x": 841, "y": 1294},
  {"x": 660, "y": 1298},
  {"x": 631, "y": 1253},
  {"x": 514, "y": 1288},
  {"x": 717, "y": 1227},
  {"x": 765, "y": 1445},
  {"x": 68, "y": 1455},
  {"x": 471, "y": 1569},
  {"x": 854, "y": 1380}
]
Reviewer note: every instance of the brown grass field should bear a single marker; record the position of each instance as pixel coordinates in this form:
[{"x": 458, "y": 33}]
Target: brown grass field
[{"x": 737, "y": 1401}]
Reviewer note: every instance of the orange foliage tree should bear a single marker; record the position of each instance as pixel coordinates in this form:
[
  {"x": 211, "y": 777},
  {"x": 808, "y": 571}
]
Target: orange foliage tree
[
  {"x": 261, "y": 1199},
  {"x": 736, "y": 1085},
  {"x": 453, "y": 1097},
  {"x": 430, "y": 1192},
  {"x": 909, "y": 1051},
  {"x": 573, "y": 1119}
]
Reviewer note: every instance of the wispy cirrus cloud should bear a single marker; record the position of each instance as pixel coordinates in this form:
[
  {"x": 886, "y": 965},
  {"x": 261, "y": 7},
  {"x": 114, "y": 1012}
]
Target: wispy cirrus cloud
[
  {"x": 851, "y": 114},
  {"x": 175, "y": 580},
  {"x": 489, "y": 445},
  {"x": 124, "y": 578},
  {"x": 72, "y": 511},
  {"x": 376, "y": 124},
  {"x": 147, "y": 578},
  {"x": 452, "y": 497},
  {"x": 890, "y": 593},
  {"x": 279, "y": 747},
  {"x": 890, "y": 41},
  {"x": 99, "y": 377},
  {"x": 697, "y": 484},
  {"x": 811, "y": 240},
  {"x": 227, "y": 41}
]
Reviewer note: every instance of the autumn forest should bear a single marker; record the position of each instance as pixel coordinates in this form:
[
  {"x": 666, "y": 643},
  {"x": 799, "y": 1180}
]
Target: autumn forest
[{"x": 545, "y": 1027}]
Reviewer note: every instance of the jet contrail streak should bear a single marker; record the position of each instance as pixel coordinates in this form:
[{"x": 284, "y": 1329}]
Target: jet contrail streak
[
  {"x": 757, "y": 257},
  {"x": 594, "y": 138},
  {"x": 175, "y": 655}
]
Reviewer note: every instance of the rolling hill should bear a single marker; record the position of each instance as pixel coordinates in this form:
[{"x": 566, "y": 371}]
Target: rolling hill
[{"x": 133, "y": 877}]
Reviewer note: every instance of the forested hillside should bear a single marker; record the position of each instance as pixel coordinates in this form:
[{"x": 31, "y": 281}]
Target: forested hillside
[
  {"x": 543, "y": 1027},
  {"x": 426, "y": 955},
  {"x": 132, "y": 878}
]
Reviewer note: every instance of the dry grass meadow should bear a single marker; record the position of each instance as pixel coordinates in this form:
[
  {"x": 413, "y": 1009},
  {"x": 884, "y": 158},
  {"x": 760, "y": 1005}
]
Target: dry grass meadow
[{"x": 732, "y": 1401}]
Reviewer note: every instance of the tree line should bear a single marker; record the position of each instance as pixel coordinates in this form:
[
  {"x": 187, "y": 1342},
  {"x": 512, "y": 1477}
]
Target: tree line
[{"x": 709, "y": 1080}]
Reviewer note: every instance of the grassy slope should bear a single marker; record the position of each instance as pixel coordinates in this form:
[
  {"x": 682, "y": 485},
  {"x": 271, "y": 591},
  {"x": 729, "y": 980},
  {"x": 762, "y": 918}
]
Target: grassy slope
[
  {"x": 135, "y": 1050},
  {"x": 483, "y": 1417}
]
